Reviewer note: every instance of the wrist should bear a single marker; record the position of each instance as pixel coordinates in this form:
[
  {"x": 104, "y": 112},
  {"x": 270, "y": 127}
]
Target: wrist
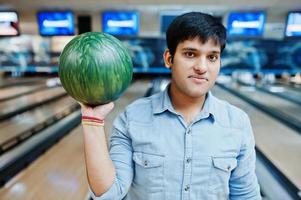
[
  {"x": 89, "y": 117},
  {"x": 92, "y": 121}
]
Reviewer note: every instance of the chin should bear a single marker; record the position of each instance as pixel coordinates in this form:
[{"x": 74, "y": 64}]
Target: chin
[{"x": 197, "y": 93}]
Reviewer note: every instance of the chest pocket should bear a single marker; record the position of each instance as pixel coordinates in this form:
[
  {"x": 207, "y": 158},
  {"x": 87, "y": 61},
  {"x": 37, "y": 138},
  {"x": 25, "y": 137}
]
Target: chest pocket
[
  {"x": 149, "y": 173},
  {"x": 220, "y": 174}
]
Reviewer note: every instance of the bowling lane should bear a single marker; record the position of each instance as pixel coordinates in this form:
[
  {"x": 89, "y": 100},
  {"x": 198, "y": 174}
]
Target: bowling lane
[
  {"x": 8, "y": 82},
  {"x": 60, "y": 172},
  {"x": 280, "y": 87},
  {"x": 288, "y": 85},
  {"x": 22, "y": 126},
  {"x": 14, "y": 91},
  {"x": 282, "y": 91},
  {"x": 282, "y": 106},
  {"x": 24, "y": 101},
  {"x": 280, "y": 144}
]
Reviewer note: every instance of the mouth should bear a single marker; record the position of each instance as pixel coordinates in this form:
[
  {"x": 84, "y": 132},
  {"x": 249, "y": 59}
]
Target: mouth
[{"x": 198, "y": 78}]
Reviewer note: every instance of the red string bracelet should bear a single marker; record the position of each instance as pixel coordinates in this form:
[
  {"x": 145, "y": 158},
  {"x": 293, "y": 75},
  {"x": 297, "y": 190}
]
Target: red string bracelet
[{"x": 92, "y": 118}]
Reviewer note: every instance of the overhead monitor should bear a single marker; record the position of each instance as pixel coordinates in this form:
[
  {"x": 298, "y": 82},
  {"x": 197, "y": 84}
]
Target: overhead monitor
[
  {"x": 9, "y": 23},
  {"x": 293, "y": 24},
  {"x": 55, "y": 23},
  {"x": 165, "y": 21},
  {"x": 246, "y": 24},
  {"x": 120, "y": 23},
  {"x": 166, "y": 17}
]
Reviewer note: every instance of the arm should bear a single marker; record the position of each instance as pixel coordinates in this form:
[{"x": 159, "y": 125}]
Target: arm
[
  {"x": 109, "y": 174},
  {"x": 243, "y": 181},
  {"x": 99, "y": 166}
]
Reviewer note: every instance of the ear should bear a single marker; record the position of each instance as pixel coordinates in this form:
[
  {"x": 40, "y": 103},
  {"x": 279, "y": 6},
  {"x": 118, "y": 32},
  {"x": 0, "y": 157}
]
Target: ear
[{"x": 167, "y": 58}]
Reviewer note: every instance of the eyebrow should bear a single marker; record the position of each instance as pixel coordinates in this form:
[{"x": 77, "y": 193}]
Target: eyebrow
[{"x": 194, "y": 49}]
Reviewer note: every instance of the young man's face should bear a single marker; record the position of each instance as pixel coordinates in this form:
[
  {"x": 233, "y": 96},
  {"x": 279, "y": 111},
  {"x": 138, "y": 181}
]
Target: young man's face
[{"x": 194, "y": 67}]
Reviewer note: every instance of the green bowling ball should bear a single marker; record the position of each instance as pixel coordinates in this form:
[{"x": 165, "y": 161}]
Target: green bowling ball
[{"x": 95, "y": 68}]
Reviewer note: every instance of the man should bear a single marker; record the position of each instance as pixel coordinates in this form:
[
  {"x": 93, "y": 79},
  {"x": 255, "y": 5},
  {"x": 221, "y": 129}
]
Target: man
[{"x": 182, "y": 143}]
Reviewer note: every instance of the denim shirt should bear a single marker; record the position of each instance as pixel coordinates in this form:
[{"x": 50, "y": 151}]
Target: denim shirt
[{"x": 157, "y": 156}]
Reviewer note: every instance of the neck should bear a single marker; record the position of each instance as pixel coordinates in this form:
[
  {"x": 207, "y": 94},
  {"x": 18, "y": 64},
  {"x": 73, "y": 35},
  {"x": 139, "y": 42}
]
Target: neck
[{"x": 187, "y": 106}]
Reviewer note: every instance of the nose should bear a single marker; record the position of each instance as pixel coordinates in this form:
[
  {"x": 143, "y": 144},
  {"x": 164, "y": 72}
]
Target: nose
[{"x": 201, "y": 66}]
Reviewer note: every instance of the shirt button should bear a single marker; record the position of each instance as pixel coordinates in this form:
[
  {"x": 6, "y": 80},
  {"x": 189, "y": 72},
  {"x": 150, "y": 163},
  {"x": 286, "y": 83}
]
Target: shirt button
[
  {"x": 145, "y": 163},
  {"x": 189, "y": 131},
  {"x": 188, "y": 160},
  {"x": 187, "y": 188}
]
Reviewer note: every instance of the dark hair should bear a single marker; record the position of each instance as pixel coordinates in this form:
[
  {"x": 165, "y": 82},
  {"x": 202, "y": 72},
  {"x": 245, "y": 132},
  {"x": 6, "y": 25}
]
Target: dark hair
[{"x": 195, "y": 24}]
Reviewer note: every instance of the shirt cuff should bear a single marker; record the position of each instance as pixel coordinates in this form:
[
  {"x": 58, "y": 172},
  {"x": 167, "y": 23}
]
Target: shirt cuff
[{"x": 110, "y": 194}]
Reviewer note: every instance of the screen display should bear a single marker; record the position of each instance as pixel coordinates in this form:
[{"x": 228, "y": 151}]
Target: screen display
[
  {"x": 9, "y": 23},
  {"x": 293, "y": 24},
  {"x": 246, "y": 24},
  {"x": 53, "y": 23},
  {"x": 166, "y": 21},
  {"x": 123, "y": 23},
  {"x": 166, "y": 17}
]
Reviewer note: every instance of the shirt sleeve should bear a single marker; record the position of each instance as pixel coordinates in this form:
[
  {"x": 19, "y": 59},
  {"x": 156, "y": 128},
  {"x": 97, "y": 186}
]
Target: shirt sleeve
[
  {"x": 243, "y": 181},
  {"x": 121, "y": 154}
]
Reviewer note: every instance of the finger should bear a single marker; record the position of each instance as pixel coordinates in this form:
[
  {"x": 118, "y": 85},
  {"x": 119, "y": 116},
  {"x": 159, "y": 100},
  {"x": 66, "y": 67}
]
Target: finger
[
  {"x": 82, "y": 105},
  {"x": 109, "y": 106}
]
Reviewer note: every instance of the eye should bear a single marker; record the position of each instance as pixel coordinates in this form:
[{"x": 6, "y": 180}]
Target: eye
[
  {"x": 213, "y": 58},
  {"x": 189, "y": 54}
]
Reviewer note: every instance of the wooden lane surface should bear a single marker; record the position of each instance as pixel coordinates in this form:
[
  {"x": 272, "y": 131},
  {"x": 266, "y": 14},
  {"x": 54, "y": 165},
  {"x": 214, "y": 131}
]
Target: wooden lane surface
[
  {"x": 276, "y": 103},
  {"x": 8, "y": 82},
  {"x": 16, "y": 90},
  {"x": 60, "y": 172},
  {"x": 289, "y": 85},
  {"x": 15, "y": 126},
  {"x": 280, "y": 144},
  {"x": 36, "y": 97},
  {"x": 282, "y": 89}
]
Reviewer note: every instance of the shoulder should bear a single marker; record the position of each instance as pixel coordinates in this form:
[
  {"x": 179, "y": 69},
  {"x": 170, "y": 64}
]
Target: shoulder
[{"x": 230, "y": 115}]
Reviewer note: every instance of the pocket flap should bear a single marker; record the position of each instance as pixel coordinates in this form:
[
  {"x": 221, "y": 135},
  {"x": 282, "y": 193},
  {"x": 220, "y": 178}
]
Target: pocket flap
[
  {"x": 225, "y": 163},
  {"x": 147, "y": 160}
]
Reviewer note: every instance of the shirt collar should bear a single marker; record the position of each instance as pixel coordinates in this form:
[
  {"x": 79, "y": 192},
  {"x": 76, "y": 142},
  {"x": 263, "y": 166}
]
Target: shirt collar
[
  {"x": 163, "y": 103},
  {"x": 208, "y": 108}
]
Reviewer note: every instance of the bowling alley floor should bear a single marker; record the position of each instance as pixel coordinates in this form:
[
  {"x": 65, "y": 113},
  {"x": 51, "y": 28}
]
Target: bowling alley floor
[{"x": 60, "y": 172}]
